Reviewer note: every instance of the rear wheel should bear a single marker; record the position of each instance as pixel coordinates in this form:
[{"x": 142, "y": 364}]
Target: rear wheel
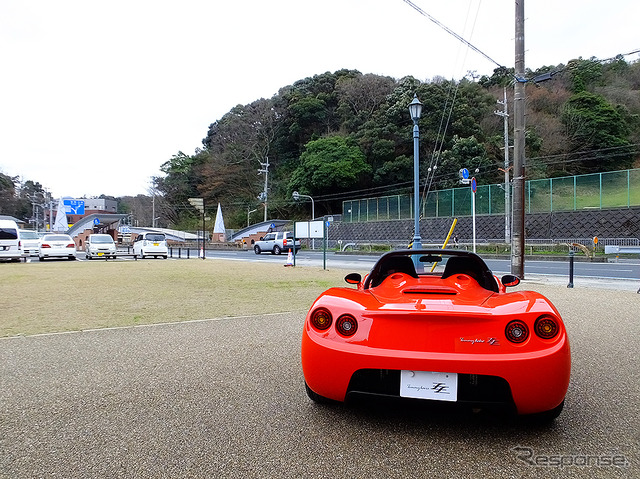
[{"x": 276, "y": 249}]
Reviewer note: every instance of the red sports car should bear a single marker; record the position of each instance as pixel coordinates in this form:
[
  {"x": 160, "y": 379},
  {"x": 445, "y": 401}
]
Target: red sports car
[{"x": 437, "y": 325}]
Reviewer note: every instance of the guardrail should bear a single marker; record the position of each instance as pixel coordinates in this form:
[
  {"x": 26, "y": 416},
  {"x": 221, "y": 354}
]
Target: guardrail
[{"x": 617, "y": 249}]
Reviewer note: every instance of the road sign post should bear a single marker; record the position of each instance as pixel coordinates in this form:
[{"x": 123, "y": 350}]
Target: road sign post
[{"x": 474, "y": 188}]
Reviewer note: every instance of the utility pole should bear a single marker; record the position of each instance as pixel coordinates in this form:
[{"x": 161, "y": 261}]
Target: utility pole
[
  {"x": 263, "y": 195},
  {"x": 517, "y": 234},
  {"x": 507, "y": 186}
]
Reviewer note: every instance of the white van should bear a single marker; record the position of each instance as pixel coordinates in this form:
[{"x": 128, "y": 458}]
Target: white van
[
  {"x": 10, "y": 245},
  {"x": 151, "y": 244}
]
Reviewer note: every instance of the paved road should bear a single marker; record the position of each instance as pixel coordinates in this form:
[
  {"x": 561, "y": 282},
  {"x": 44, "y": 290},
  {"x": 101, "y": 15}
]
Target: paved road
[
  {"x": 225, "y": 398},
  {"x": 622, "y": 270}
]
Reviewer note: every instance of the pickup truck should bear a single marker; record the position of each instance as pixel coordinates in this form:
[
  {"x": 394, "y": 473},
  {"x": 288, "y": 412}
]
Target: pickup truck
[{"x": 276, "y": 243}]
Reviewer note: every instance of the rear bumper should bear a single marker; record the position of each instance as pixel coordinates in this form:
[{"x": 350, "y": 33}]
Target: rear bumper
[{"x": 532, "y": 382}]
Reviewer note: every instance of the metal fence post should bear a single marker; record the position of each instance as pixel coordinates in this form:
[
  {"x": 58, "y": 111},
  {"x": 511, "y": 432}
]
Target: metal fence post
[{"x": 571, "y": 255}]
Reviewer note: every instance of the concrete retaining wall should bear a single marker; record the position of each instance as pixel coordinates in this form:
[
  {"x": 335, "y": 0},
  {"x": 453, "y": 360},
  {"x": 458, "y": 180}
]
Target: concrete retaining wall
[{"x": 613, "y": 223}]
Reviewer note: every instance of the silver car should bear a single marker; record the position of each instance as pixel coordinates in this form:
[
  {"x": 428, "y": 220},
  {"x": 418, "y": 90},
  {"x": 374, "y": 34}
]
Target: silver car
[
  {"x": 30, "y": 242},
  {"x": 56, "y": 245},
  {"x": 100, "y": 245}
]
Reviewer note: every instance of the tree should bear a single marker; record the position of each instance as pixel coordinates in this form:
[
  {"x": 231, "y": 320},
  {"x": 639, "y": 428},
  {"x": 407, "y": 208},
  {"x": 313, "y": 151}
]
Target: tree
[
  {"x": 7, "y": 194},
  {"x": 597, "y": 134},
  {"x": 329, "y": 165}
]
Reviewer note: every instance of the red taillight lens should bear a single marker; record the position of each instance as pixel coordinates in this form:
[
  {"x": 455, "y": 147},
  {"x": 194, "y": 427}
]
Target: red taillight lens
[
  {"x": 321, "y": 319},
  {"x": 347, "y": 325},
  {"x": 71, "y": 245},
  {"x": 517, "y": 331},
  {"x": 546, "y": 327},
  {"x": 45, "y": 245}
]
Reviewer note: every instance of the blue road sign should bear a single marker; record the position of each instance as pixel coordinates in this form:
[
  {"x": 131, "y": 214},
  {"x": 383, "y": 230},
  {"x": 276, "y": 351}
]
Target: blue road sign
[
  {"x": 474, "y": 184},
  {"x": 73, "y": 207}
]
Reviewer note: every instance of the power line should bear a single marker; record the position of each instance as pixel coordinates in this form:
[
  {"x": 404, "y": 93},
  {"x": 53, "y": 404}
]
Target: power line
[{"x": 451, "y": 32}]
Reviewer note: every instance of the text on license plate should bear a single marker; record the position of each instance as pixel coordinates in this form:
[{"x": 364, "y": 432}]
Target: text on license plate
[
  {"x": 156, "y": 244},
  {"x": 429, "y": 385}
]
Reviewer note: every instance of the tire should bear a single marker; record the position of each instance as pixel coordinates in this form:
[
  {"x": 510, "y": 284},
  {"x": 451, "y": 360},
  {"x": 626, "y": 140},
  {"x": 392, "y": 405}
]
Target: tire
[
  {"x": 256, "y": 249},
  {"x": 315, "y": 397},
  {"x": 277, "y": 250},
  {"x": 88, "y": 257}
]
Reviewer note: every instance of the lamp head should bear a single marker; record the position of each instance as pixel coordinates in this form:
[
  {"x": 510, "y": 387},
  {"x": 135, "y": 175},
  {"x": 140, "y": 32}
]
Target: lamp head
[{"x": 415, "y": 108}]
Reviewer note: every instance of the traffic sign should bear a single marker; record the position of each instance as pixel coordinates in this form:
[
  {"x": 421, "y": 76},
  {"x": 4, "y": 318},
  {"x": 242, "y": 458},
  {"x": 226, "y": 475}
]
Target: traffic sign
[{"x": 474, "y": 185}]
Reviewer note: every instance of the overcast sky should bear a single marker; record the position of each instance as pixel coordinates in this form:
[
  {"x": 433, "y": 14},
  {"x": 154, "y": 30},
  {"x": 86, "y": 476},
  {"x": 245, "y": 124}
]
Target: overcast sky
[{"x": 97, "y": 95}]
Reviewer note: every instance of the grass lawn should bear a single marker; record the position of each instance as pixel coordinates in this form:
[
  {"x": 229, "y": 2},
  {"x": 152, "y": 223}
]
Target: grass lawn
[{"x": 60, "y": 296}]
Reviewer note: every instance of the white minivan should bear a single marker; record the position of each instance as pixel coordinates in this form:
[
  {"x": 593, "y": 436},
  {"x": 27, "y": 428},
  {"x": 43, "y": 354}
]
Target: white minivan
[
  {"x": 151, "y": 244},
  {"x": 10, "y": 245}
]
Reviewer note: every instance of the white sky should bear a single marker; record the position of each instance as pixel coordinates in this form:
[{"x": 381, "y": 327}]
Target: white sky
[{"x": 96, "y": 95}]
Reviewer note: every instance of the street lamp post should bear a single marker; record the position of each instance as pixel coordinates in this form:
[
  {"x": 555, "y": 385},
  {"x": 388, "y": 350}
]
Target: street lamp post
[
  {"x": 415, "y": 109},
  {"x": 296, "y": 197}
]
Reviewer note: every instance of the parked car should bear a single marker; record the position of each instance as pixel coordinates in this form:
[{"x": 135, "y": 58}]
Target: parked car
[
  {"x": 30, "y": 242},
  {"x": 151, "y": 244},
  {"x": 276, "y": 243},
  {"x": 57, "y": 245},
  {"x": 437, "y": 326},
  {"x": 10, "y": 244},
  {"x": 100, "y": 245}
]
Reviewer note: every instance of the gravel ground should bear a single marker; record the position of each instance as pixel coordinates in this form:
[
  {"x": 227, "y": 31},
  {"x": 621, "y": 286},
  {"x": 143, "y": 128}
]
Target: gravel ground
[{"x": 225, "y": 398}]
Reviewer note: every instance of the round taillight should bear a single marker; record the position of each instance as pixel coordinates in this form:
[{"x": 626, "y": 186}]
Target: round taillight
[
  {"x": 546, "y": 327},
  {"x": 321, "y": 319},
  {"x": 347, "y": 325},
  {"x": 516, "y": 331}
]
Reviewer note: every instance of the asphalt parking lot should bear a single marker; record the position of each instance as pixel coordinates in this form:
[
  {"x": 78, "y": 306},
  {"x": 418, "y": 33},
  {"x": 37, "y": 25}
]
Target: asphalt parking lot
[{"x": 225, "y": 398}]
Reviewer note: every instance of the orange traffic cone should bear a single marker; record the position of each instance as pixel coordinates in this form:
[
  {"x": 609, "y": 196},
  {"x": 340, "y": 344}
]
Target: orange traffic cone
[{"x": 289, "y": 258}]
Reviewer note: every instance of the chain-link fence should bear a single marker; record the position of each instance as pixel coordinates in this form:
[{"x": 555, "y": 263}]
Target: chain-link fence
[{"x": 613, "y": 189}]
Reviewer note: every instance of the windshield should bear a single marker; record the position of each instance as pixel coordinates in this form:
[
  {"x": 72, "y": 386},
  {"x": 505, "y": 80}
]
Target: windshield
[
  {"x": 8, "y": 234},
  {"x": 101, "y": 239},
  {"x": 57, "y": 238},
  {"x": 29, "y": 235},
  {"x": 443, "y": 263},
  {"x": 155, "y": 237}
]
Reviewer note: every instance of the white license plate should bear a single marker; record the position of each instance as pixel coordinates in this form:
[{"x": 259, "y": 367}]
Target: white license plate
[{"x": 429, "y": 385}]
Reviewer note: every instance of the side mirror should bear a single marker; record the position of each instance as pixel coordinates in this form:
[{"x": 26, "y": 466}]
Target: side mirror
[
  {"x": 509, "y": 280},
  {"x": 261, "y": 238},
  {"x": 353, "y": 278}
]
